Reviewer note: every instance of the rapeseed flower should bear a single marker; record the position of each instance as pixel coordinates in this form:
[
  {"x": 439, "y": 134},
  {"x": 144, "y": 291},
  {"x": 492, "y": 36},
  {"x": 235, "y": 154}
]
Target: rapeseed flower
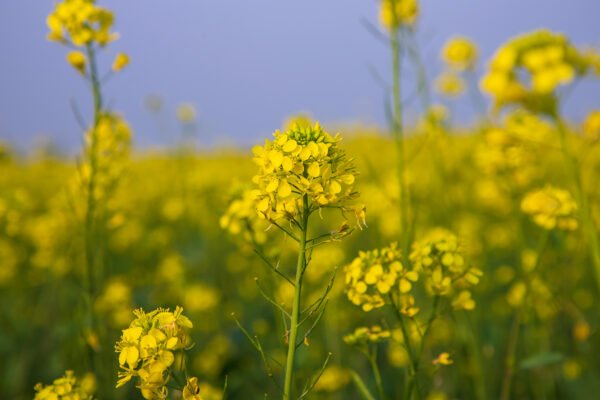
[
  {"x": 551, "y": 208},
  {"x": 66, "y": 387},
  {"x": 460, "y": 53},
  {"x": 396, "y": 13}
]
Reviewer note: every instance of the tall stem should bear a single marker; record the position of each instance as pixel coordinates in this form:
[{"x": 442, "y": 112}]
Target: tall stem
[
  {"x": 90, "y": 210},
  {"x": 300, "y": 267},
  {"x": 377, "y": 374},
  {"x": 398, "y": 135},
  {"x": 582, "y": 200}
]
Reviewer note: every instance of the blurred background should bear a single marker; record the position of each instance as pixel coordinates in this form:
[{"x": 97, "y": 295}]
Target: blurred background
[{"x": 260, "y": 61}]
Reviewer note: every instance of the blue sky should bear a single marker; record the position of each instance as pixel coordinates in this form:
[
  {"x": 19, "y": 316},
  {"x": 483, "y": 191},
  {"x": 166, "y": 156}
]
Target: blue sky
[{"x": 246, "y": 65}]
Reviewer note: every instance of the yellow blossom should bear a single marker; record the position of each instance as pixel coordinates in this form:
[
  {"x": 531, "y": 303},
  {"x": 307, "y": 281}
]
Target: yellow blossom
[
  {"x": 460, "y": 53},
  {"x": 77, "y": 60},
  {"x": 120, "y": 62}
]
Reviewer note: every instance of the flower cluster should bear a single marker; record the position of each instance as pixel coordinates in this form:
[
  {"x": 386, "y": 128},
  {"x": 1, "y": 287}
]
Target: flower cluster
[
  {"x": 366, "y": 335},
  {"x": 460, "y": 53},
  {"x": 107, "y": 148},
  {"x": 551, "y": 208},
  {"x": 146, "y": 349},
  {"x": 374, "y": 274},
  {"x": 63, "y": 388},
  {"x": 591, "y": 125},
  {"x": 241, "y": 218},
  {"x": 197, "y": 391},
  {"x": 396, "y": 13},
  {"x": 439, "y": 257},
  {"x": 508, "y": 152},
  {"x": 528, "y": 69},
  {"x": 80, "y": 23},
  {"x": 304, "y": 163}
]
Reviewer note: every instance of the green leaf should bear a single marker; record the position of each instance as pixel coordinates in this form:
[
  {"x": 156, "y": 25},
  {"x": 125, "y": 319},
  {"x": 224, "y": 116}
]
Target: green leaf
[{"x": 541, "y": 360}]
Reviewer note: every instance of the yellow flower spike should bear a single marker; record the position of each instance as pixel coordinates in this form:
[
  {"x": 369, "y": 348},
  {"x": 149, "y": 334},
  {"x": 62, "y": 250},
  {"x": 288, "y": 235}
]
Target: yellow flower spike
[
  {"x": 120, "y": 62},
  {"x": 77, "y": 60},
  {"x": 395, "y": 13}
]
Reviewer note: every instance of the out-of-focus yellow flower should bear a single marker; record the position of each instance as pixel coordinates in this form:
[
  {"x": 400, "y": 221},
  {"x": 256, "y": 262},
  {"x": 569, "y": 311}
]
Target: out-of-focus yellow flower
[
  {"x": 528, "y": 69},
  {"x": 365, "y": 335},
  {"x": 146, "y": 349},
  {"x": 374, "y": 274},
  {"x": 77, "y": 60},
  {"x": 443, "y": 359},
  {"x": 591, "y": 125},
  {"x": 450, "y": 84},
  {"x": 199, "y": 297},
  {"x": 581, "y": 331},
  {"x": 64, "y": 388},
  {"x": 120, "y": 62},
  {"x": 80, "y": 22},
  {"x": 396, "y": 13},
  {"x": 186, "y": 113},
  {"x": 302, "y": 120},
  {"x": 460, "y": 53},
  {"x": 439, "y": 256},
  {"x": 333, "y": 379},
  {"x": 551, "y": 208}
]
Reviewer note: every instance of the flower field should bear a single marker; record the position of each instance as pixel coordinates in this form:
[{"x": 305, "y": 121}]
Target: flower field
[{"x": 417, "y": 261}]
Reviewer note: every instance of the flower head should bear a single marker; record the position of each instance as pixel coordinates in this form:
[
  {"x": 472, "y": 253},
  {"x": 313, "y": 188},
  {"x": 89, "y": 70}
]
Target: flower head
[
  {"x": 304, "y": 163},
  {"x": 66, "y": 387},
  {"x": 121, "y": 61},
  {"x": 450, "y": 84},
  {"x": 396, "y": 13},
  {"x": 551, "y": 208},
  {"x": 528, "y": 69},
  {"x": 376, "y": 273},
  {"x": 460, "y": 53},
  {"x": 146, "y": 349},
  {"x": 366, "y": 335},
  {"x": 77, "y": 60},
  {"x": 80, "y": 23},
  {"x": 439, "y": 257}
]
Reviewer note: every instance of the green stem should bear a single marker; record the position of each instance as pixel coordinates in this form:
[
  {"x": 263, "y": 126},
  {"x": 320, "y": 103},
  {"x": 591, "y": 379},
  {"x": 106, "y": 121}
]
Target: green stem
[
  {"x": 582, "y": 200},
  {"x": 398, "y": 135},
  {"x": 90, "y": 213},
  {"x": 300, "y": 267},
  {"x": 513, "y": 339},
  {"x": 377, "y": 374},
  {"x": 417, "y": 360}
]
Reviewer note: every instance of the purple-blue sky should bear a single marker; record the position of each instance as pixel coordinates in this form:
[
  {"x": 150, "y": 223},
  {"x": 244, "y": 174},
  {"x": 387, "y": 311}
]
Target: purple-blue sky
[{"x": 246, "y": 65}]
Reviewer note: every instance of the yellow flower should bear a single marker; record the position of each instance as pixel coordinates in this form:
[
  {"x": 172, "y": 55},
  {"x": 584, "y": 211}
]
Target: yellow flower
[
  {"x": 365, "y": 335},
  {"x": 120, "y": 62},
  {"x": 450, "y": 84},
  {"x": 80, "y": 22},
  {"x": 460, "y": 53},
  {"x": 551, "y": 208},
  {"x": 146, "y": 349},
  {"x": 186, "y": 113},
  {"x": 591, "y": 125},
  {"x": 303, "y": 163},
  {"x": 443, "y": 359},
  {"x": 64, "y": 388},
  {"x": 528, "y": 69},
  {"x": 374, "y": 275},
  {"x": 395, "y": 13},
  {"x": 439, "y": 257},
  {"x": 77, "y": 60}
]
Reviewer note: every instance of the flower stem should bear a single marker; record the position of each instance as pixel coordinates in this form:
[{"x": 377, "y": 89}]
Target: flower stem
[
  {"x": 300, "y": 267},
  {"x": 377, "y": 374}
]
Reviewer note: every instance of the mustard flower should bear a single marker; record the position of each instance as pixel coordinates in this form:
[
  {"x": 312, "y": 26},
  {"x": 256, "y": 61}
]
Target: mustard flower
[
  {"x": 591, "y": 125},
  {"x": 195, "y": 391},
  {"x": 146, "y": 349},
  {"x": 551, "y": 208},
  {"x": 242, "y": 219},
  {"x": 443, "y": 359},
  {"x": 396, "y": 13},
  {"x": 80, "y": 23},
  {"x": 77, "y": 60},
  {"x": 450, "y": 84},
  {"x": 120, "y": 62},
  {"x": 374, "y": 274},
  {"x": 439, "y": 257},
  {"x": 365, "y": 335},
  {"x": 528, "y": 69},
  {"x": 460, "y": 53},
  {"x": 186, "y": 113},
  {"x": 303, "y": 161},
  {"x": 63, "y": 388}
]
